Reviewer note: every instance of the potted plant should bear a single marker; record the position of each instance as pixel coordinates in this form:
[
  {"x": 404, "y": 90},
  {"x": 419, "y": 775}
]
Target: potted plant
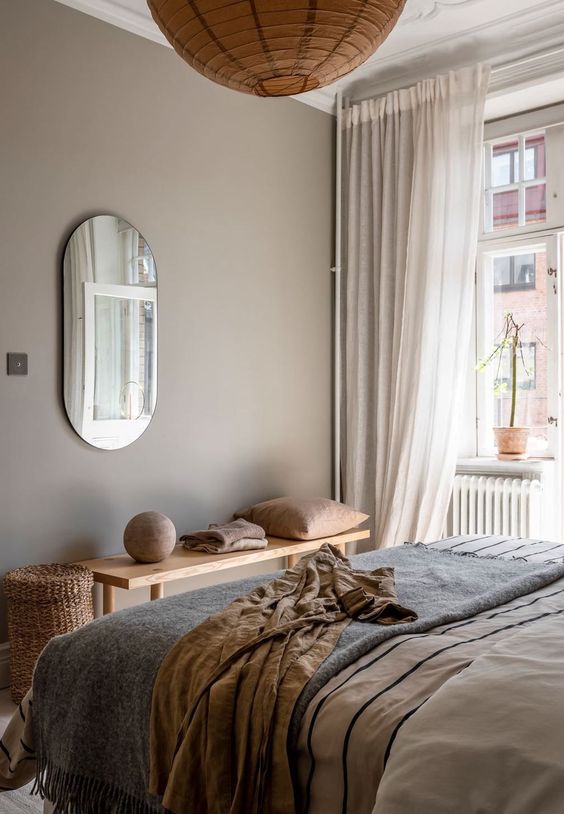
[{"x": 511, "y": 441}]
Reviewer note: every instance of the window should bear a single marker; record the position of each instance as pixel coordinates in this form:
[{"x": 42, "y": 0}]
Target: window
[
  {"x": 519, "y": 269},
  {"x": 515, "y": 182},
  {"x": 513, "y": 278}
]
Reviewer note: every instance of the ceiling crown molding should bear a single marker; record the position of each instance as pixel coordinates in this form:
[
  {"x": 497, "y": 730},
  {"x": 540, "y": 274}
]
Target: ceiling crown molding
[
  {"x": 429, "y": 9},
  {"x": 433, "y": 36},
  {"x": 517, "y": 30},
  {"x": 507, "y": 40},
  {"x": 124, "y": 16}
]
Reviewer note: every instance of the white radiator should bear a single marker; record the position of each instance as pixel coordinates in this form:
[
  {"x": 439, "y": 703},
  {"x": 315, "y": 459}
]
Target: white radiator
[{"x": 495, "y": 505}]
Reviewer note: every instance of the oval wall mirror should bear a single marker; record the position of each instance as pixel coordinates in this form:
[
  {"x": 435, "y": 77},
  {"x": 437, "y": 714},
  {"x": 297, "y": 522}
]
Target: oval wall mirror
[{"x": 110, "y": 332}]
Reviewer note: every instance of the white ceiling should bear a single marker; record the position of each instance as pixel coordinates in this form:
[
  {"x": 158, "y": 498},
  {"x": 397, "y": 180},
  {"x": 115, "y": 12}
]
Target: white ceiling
[{"x": 431, "y": 36}]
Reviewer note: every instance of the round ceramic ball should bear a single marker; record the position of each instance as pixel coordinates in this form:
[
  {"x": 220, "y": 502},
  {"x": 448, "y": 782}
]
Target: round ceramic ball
[{"x": 149, "y": 537}]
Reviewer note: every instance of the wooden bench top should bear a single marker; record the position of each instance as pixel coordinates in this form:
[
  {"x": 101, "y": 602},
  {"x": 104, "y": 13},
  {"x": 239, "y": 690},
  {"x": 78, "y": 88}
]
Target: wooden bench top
[{"x": 121, "y": 571}]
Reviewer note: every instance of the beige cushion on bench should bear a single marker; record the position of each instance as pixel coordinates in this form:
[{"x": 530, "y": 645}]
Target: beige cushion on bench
[{"x": 303, "y": 518}]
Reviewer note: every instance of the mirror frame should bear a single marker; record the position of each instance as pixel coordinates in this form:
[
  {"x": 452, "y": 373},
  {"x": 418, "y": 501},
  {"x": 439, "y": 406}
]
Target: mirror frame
[{"x": 90, "y": 290}]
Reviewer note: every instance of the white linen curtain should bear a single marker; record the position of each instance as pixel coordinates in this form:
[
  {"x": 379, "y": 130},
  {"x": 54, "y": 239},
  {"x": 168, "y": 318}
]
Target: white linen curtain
[{"x": 412, "y": 197}]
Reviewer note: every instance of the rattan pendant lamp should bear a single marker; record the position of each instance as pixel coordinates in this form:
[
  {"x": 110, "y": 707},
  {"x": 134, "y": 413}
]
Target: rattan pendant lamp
[{"x": 275, "y": 47}]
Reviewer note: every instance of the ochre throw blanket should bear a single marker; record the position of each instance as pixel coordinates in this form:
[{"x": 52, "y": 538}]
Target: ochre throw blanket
[{"x": 224, "y": 694}]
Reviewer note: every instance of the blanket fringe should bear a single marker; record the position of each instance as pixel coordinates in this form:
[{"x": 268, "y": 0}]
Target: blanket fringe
[
  {"x": 450, "y": 552},
  {"x": 76, "y": 794}
]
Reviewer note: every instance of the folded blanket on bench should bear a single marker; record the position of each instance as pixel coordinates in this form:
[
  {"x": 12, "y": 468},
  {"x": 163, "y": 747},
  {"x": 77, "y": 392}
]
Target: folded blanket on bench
[
  {"x": 224, "y": 694},
  {"x": 238, "y": 535}
]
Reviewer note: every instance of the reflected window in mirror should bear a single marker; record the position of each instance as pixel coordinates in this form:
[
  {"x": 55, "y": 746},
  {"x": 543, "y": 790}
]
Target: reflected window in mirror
[{"x": 110, "y": 332}]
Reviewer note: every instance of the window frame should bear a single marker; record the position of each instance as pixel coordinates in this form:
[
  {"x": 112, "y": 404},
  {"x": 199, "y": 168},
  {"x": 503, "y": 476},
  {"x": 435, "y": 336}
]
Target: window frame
[
  {"x": 93, "y": 428},
  {"x": 487, "y": 251},
  {"x": 550, "y": 122},
  {"x": 521, "y": 186}
]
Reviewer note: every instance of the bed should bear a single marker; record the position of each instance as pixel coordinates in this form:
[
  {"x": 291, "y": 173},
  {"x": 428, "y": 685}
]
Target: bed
[{"x": 459, "y": 711}]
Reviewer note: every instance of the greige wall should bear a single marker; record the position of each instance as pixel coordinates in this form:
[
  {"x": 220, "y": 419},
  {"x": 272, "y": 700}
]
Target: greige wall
[{"x": 234, "y": 196}]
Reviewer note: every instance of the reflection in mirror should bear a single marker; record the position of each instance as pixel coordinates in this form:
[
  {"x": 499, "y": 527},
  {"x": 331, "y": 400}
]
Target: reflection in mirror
[{"x": 110, "y": 332}]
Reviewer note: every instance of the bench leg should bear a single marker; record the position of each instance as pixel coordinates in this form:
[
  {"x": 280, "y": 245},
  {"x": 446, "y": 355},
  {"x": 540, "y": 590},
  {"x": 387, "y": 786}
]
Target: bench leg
[
  {"x": 109, "y": 599},
  {"x": 157, "y": 590}
]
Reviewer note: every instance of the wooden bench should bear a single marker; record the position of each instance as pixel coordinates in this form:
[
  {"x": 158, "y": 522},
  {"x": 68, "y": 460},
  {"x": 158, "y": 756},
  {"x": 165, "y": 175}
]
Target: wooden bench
[{"x": 120, "y": 571}]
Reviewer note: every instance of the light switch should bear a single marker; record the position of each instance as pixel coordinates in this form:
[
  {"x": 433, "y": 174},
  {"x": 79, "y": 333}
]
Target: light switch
[{"x": 17, "y": 364}]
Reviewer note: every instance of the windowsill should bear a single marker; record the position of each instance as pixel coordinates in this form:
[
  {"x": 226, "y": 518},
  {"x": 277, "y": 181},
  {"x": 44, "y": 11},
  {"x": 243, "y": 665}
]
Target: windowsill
[{"x": 492, "y": 464}]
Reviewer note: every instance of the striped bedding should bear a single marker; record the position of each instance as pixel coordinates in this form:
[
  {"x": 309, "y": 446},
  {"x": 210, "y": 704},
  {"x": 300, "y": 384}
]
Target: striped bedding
[
  {"x": 514, "y": 548},
  {"x": 359, "y": 726}
]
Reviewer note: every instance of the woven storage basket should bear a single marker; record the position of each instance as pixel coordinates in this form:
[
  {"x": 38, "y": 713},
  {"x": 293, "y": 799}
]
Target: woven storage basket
[{"x": 43, "y": 601}]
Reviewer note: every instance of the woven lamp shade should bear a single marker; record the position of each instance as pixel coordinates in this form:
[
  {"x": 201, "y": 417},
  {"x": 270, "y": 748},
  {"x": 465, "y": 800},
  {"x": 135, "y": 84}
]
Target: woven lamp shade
[{"x": 275, "y": 47}]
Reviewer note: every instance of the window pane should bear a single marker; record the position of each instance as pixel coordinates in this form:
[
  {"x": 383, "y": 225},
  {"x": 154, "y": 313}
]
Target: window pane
[
  {"x": 505, "y": 163},
  {"x": 505, "y": 209},
  {"x": 123, "y": 373},
  {"x": 535, "y": 204},
  {"x": 502, "y": 272},
  {"x": 526, "y": 369},
  {"x": 535, "y": 161},
  {"x": 524, "y": 271},
  {"x": 525, "y": 298},
  {"x": 514, "y": 272}
]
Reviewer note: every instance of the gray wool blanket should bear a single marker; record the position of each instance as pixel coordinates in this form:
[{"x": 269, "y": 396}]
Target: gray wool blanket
[{"x": 92, "y": 688}]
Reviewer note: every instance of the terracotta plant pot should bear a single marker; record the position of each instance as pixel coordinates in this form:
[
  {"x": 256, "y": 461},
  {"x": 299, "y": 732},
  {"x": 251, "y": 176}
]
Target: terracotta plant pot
[{"x": 511, "y": 442}]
